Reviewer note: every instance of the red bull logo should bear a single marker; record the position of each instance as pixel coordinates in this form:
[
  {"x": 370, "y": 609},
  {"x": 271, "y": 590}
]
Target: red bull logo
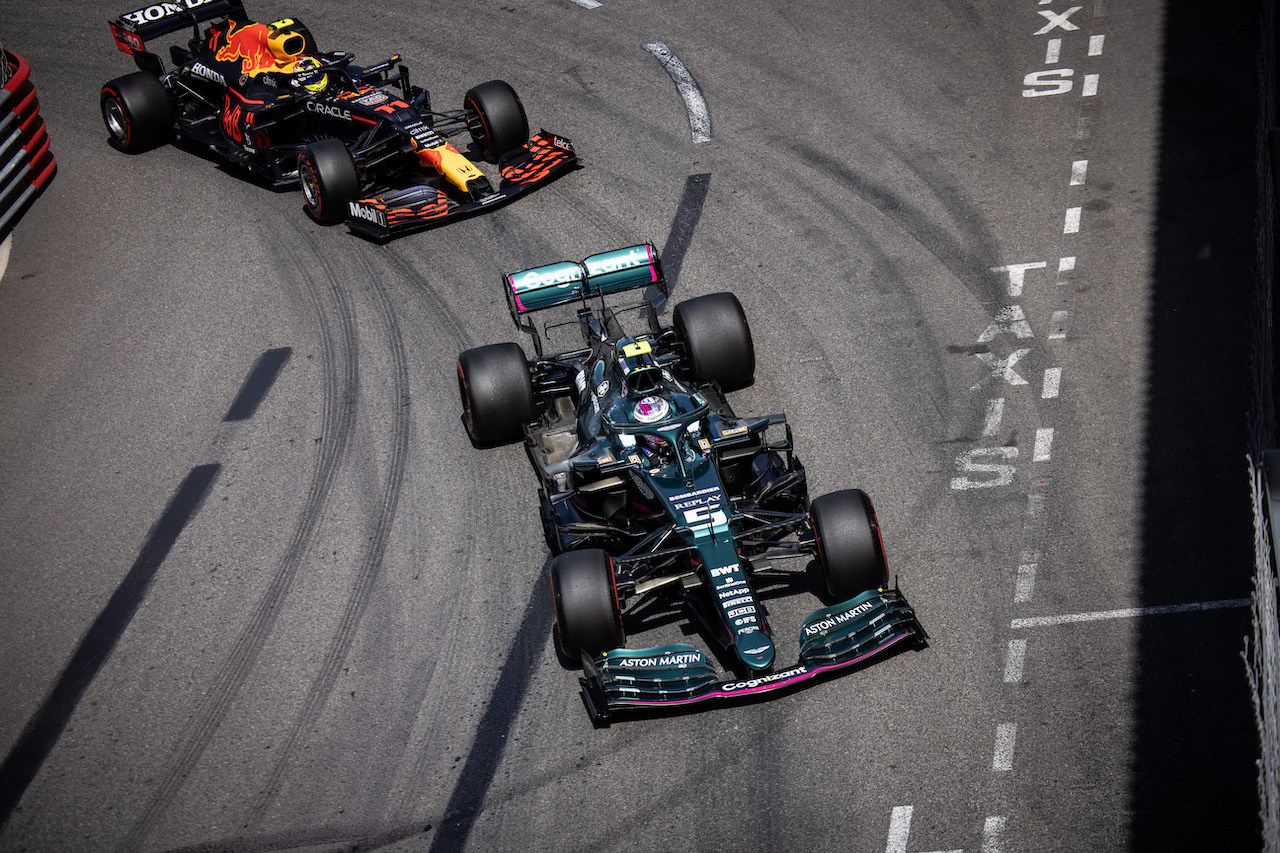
[{"x": 248, "y": 43}]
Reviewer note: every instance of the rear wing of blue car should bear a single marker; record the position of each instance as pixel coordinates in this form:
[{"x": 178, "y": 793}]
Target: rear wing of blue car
[
  {"x": 133, "y": 30},
  {"x": 568, "y": 281}
]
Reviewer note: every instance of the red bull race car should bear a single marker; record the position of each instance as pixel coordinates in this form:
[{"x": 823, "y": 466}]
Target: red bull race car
[{"x": 364, "y": 143}]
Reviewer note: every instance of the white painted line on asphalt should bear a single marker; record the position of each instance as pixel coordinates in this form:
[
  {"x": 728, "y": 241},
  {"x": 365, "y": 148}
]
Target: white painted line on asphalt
[
  {"x": 1006, "y": 737},
  {"x": 993, "y": 835},
  {"x": 587, "y": 4},
  {"x": 1090, "y": 87},
  {"x": 1128, "y": 613},
  {"x": 899, "y": 829},
  {"x": 1058, "y": 325},
  {"x": 1014, "y": 660},
  {"x": 1066, "y": 265},
  {"x": 1018, "y": 274},
  {"x": 1044, "y": 444},
  {"x": 1095, "y": 45},
  {"x": 1025, "y": 586},
  {"x": 1078, "y": 169},
  {"x": 995, "y": 413},
  {"x": 1071, "y": 224},
  {"x": 1052, "y": 49},
  {"x": 695, "y": 104},
  {"x": 1052, "y": 381}
]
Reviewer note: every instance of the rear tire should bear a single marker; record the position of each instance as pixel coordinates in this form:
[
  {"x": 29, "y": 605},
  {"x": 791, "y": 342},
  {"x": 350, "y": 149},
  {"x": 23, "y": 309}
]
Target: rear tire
[
  {"x": 137, "y": 112},
  {"x": 501, "y": 123},
  {"x": 717, "y": 340},
  {"x": 497, "y": 393},
  {"x": 849, "y": 548},
  {"x": 588, "y": 618},
  {"x": 329, "y": 179}
]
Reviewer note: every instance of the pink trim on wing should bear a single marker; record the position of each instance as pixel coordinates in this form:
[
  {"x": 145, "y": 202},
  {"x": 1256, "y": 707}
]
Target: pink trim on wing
[{"x": 514, "y": 295}]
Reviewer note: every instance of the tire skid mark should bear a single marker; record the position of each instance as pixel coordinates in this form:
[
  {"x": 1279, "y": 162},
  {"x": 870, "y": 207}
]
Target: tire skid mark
[
  {"x": 340, "y": 362},
  {"x": 370, "y": 566}
]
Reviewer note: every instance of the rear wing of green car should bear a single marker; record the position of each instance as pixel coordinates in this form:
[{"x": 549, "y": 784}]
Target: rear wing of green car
[{"x": 568, "y": 281}]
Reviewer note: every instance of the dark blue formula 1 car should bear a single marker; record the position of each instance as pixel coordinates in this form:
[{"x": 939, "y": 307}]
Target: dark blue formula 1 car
[
  {"x": 654, "y": 493},
  {"x": 364, "y": 143}
]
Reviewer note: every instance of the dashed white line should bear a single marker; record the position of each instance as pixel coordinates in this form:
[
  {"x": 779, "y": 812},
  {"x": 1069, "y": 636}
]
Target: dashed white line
[
  {"x": 995, "y": 413},
  {"x": 587, "y": 4},
  {"x": 1090, "y": 86},
  {"x": 993, "y": 835},
  {"x": 1052, "y": 380},
  {"x": 1014, "y": 660},
  {"x": 1078, "y": 169},
  {"x": 1095, "y": 45},
  {"x": 899, "y": 829},
  {"x": 1058, "y": 325},
  {"x": 1006, "y": 737},
  {"x": 1128, "y": 613},
  {"x": 695, "y": 104},
  {"x": 1044, "y": 444},
  {"x": 1071, "y": 224},
  {"x": 1066, "y": 265},
  {"x": 1025, "y": 586}
]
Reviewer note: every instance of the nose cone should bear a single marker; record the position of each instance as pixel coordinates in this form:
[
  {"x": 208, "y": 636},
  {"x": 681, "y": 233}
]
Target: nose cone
[{"x": 755, "y": 650}]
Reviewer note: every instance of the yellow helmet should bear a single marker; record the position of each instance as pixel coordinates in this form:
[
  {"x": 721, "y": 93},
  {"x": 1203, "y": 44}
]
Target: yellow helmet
[{"x": 311, "y": 82}]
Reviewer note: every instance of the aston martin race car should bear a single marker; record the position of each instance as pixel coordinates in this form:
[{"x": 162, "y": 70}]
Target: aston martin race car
[
  {"x": 364, "y": 143},
  {"x": 655, "y": 494}
]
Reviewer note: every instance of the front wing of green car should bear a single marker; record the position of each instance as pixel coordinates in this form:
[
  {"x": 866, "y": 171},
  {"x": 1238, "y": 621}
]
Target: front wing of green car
[{"x": 840, "y": 637}]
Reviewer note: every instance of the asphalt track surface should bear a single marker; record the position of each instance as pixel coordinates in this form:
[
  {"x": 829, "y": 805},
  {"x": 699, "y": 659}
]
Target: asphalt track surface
[{"x": 261, "y": 594}]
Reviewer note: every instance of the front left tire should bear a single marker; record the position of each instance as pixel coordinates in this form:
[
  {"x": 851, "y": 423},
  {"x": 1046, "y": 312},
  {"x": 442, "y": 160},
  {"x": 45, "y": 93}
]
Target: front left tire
[
  {"x": 498, "y": 122},
  {"x": 850, "y": 551},
  {"x": 329, "y": 179}
]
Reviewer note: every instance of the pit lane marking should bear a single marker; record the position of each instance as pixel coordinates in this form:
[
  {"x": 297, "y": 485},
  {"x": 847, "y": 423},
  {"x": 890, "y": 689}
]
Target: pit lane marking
[
  {"x": 1006, "y": 740},
  {"x": 1128, "y": 613},
  {"x": 587, "y": 4},
  {"x": 900, "y": 832},
  {"x": 690, "y": 93},
  {"x": 1014, "y": 661}
]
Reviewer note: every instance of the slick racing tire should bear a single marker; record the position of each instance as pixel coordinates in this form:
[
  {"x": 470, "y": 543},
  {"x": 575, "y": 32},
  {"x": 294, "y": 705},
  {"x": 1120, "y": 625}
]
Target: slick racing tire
[
  {"x": 497, "y": 393},
  {"x": 329, "y": 179},
  {"x": 849, "y": 548},
  {"x": 717, "y": 340},
  {"x": 588, "y": 618},
  {"x": 500, "y": 123},
  {"x": 137, "y": 112}
]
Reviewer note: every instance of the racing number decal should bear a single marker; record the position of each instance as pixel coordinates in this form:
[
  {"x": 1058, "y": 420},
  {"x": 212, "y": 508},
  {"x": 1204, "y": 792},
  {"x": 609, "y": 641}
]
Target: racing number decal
[{"x": 704, "y": 520}]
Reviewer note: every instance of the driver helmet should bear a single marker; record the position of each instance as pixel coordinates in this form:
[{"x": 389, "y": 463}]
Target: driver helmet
[
  {"x": 651, "y": 410},
  {"x": 312, "y": 82},
  {"x": 657, "y": 450}
]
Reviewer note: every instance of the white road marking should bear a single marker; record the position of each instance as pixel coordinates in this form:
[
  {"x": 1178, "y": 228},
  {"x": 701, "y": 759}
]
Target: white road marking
[
  {"x": 695, "y": 104},
  {"x": 995, "y": 413},
  {"x": 1057, "y": 21},
  {"x": 1002, "y": 367},
  {"x": 899, "y": 829},
  {"x": 1128, "y": 613},
  {"x": 1009, "y": 320},
  {"x": 1025, "y": 586},
  {"x": 1078, "y": 169},
  {"x": 993, "y": 473},
  {"x": 1018, "y": 274},
  {"x": 1095, "y": 45},
  {"x": 587, "y": 4},
  {"x": 1052, "y": 380},
  {"x": 1014, "y": 660},
  {"x": 1044, "y": 444},
  {"x": 1066, "y": 265},
  {"x": 1058, "y": 324},
  {"x": 1006, "y": 737},
  {"x": 1071, "y": 224},
  {"x": 1090, "y": 87},
  {"x": 993, "y": 835},
  {"x": 1052, "y": 49}
]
